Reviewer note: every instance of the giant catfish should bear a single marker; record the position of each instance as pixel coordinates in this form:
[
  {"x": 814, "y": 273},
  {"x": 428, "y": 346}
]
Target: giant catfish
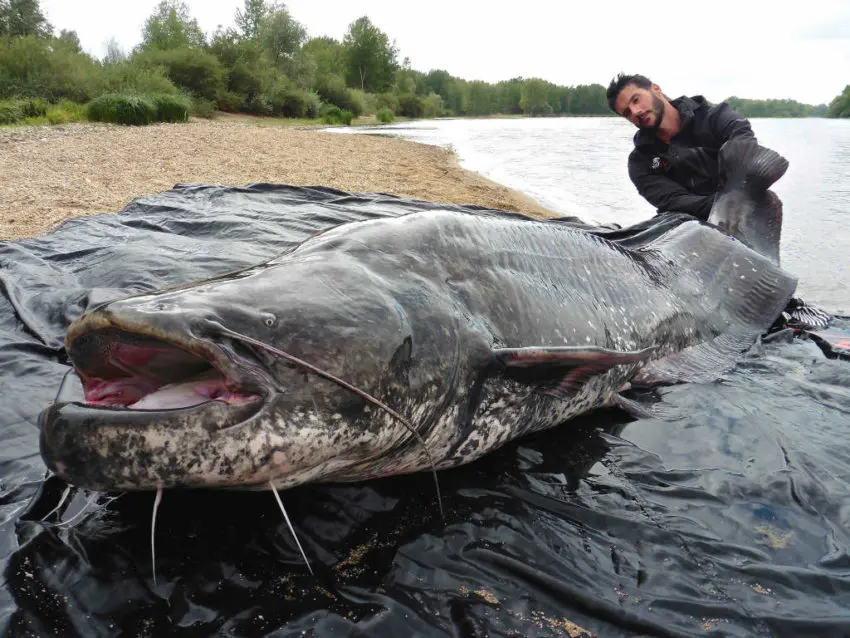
[{"x": 399, "y": 344}]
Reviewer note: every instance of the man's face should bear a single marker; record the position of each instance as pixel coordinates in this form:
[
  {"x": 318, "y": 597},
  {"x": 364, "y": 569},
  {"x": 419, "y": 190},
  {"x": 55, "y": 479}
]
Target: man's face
[{"x": 642, "y": 107}]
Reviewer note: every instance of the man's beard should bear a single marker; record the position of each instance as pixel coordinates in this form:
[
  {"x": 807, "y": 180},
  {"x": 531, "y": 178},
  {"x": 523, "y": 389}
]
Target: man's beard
[{"x": 658, "y": 111}]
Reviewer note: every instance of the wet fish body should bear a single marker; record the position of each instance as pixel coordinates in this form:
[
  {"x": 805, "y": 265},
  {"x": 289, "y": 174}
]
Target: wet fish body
[{"x": 476, "y": 328}]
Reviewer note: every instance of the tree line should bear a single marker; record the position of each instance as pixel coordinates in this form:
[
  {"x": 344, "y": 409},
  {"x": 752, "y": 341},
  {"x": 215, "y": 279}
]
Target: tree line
[
  {"x": 775, "y": 108},
  {"x": 266, "y": 64}
]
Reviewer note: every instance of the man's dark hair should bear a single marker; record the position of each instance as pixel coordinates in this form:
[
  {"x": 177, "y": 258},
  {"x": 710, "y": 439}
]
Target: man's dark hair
[{"x": 622, "y": 81}]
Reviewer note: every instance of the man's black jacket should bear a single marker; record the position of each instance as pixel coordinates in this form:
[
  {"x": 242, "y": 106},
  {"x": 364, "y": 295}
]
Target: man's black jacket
[{"x": 683, "y": 176}]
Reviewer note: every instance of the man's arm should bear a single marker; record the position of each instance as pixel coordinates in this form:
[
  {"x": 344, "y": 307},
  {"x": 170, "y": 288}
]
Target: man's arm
[
  {"x": 668, "y": 195},
  {"x": 726, "y": 124}
]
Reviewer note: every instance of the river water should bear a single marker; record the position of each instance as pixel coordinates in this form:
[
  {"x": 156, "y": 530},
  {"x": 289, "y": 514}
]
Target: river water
[{"x": 577, "y": 166}]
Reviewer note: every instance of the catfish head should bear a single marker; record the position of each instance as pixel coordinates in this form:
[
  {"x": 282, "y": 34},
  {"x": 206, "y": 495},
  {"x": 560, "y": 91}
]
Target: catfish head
[{"x": 201, "y": 385}]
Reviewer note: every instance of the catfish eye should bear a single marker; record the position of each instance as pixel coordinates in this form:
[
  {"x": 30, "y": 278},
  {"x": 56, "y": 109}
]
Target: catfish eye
[{"x": 269, "y": 319}]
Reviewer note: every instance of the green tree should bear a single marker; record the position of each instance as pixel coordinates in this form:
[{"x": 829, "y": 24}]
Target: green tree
[
  {"x": 32, "y": 66},
  {"x": 535, "y": 96},
  {"x": 250, "y": 21},
  {"x": 193, "y": 69},
  {"x": 20, "y": 18},
  {"x": 114, "y": 53},
  {"x": 510, "y": 96},
  {"x": 248, "y": 72},
  {"x": 482, "y": 98},
  {"x": 589, "y": 99},
  {"x": 840, "y": 106},
  {"x": 328, "y": 55},
  {"x": 409, "y": 80},
  {"x": 457, "y": 96},
  {"x": 437, "y": 81},
  {"x": 561, "y": 99},
  {"x": 171, "y": 26},
  {"x": 774, "y": 108},
  {"x": 69, "y": 41},
  {"x": 371, "y": 59},
  {"x": 281, "y": 36}
]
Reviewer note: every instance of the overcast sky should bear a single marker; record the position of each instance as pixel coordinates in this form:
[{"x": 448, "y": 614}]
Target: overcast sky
[{"x": 748, "y": 48}]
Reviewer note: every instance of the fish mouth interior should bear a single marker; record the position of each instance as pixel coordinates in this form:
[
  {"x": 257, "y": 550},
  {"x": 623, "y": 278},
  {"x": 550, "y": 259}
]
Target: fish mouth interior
[{"x": 128, "y": 370}]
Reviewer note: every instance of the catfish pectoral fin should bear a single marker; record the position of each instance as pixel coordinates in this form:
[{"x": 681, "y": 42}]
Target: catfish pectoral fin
[{"x": 564, "y": 369}]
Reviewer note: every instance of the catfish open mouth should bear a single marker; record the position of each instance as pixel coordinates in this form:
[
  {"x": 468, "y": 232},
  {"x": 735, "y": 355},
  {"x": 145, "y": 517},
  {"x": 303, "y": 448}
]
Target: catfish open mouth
[{"x": 120, "y": 369}]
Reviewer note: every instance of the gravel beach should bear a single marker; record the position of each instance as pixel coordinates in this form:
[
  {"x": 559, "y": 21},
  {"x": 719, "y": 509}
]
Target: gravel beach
[{"x": 50, "y": 174}]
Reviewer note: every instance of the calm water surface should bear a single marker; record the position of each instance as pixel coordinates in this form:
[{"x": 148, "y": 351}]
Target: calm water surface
[{"x": 577, "y": 166}]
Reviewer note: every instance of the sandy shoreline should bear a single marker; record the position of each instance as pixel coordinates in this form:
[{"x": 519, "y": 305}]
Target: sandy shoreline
[{"x": 50, "y": 174}]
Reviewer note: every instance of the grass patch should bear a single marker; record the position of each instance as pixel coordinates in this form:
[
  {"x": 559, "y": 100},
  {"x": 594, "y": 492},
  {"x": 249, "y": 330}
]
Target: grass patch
[
  {"x": 120, "y": 108},
  {"x": 35, "y": 112},
  {"x": 171, "y": 108},
  {"x": 335, "y": 115},
  {"x": 138, "y": 110},
  {"x": 10, "y": 112}
]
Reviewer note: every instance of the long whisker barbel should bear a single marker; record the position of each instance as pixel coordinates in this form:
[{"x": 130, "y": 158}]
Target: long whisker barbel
[
  {"x": 156, "y": 503},
  {"x": 291, "y": 528},
  {"x": 62, "y": 500},
  {"x": 362, "y": 394},
  {"x": 79, "y": 514}
]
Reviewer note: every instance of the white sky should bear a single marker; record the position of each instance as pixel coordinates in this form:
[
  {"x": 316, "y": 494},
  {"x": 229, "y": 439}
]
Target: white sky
[{"x": 717, "y": 48}]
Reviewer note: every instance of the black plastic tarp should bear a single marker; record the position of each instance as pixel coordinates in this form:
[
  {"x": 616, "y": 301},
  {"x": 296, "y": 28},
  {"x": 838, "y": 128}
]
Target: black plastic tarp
[{"x": 731, "y": 519}]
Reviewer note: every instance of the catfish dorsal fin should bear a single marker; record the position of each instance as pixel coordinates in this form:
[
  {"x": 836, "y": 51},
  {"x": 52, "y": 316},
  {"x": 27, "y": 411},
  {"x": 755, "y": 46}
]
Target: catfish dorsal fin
[{"x": 563, "y": 370}]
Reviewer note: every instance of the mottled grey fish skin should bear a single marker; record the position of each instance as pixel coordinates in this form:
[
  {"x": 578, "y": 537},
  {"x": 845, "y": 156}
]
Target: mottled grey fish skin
[{"x": 410, "y": 310}]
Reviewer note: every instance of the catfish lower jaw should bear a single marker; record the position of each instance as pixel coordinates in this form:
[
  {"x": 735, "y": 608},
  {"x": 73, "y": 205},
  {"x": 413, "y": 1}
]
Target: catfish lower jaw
[{"x": 83, "y": 444}]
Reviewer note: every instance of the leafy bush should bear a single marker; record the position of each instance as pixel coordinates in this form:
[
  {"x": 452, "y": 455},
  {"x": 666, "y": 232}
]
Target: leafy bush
[
  {"x": 385, "y": 115},
  {"x": 368, "y": 101},
  {"x": 314, "y": 104},
  {"x": 840, "y": 105},
  {"x": 74, "y": 110},
  {"x": 388, "y": 100},
  {"x": 203, "y": 108},
  {"x": 10, "y": 112},
  {"x": 291, "y": 102},
  {"x": 259, "y": 105},
  {"x": 33, "y": 107},
  {"x": 411, "y": 105},
  {"x": 41, "y": 67},
  {"x": 247, "y": 78},
  {"x": 64, "y": 112},
  {"x": 133, "y": 77},
  {"x": 193, "y": 69},
  {"x": 332, "y": 90},
  {"x": 433, "y": 106},
  {"x": 278, "y": 96},
  {"x": 122, "y": 108},
  {"x": 171, "y": 108},
  {"x": 334, "y": 115},
  {"x": 230, "y": 102},
  {"x": 28, "y": 111}
]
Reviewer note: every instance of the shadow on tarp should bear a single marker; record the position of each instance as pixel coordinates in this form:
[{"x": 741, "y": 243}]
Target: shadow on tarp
[{"x": 730, "y": 521}]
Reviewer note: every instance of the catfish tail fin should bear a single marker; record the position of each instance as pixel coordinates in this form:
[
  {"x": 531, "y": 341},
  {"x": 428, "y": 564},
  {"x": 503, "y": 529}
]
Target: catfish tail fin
[{"x": 744, "y": 208}]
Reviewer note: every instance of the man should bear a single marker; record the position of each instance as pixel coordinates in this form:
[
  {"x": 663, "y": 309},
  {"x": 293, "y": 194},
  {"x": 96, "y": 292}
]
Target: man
[{"x": 675, "y": 162}]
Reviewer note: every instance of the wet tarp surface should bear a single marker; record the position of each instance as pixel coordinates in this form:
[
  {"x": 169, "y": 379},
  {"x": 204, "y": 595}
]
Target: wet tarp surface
[{"x": 731, "y": 518}]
